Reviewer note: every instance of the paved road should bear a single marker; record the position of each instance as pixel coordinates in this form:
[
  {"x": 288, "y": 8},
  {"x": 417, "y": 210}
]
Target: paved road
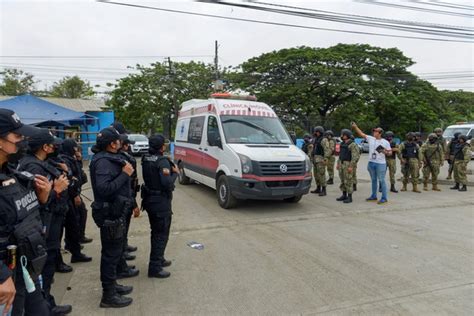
[{"x": 412, "y": 256}]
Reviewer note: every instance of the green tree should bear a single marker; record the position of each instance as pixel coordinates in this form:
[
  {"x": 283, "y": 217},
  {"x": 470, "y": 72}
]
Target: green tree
[
  {"x": 458, "y": 106},
  {"x": 149, "y": 101},
  {"x": 72, "y": 88},
  {"x": 16, "y": 82}
]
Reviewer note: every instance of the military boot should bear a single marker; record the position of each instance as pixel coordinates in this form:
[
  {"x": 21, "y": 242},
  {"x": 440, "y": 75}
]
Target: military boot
[
  {"x": 425, "y": 186},
  {"x": 354, "y": 187},
  {"x": 456, "y": 187},
  {"x": 318, "y": 189},
  {"x": 463, "y": 188},
  {"x": 323, "y": 191},
  {"x": 165, "y": 263},
  {"x": 392, "y": 188},
  {"x": 330, "y": 181},
  {"x": 110, "y": 298},
  {"x": 155, "y": 270},
  {"x": 404, "y": 188},
  {"x": 415, "y": 188},
  {"x": 435, "y": 187},
  {"x": 349, "y": 198},
  {"x": 342, "y": 197}
]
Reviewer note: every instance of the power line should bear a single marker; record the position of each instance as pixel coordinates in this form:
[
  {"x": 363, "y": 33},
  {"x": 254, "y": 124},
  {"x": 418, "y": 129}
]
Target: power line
[
  {"x": 102, "y": 57},
  {"x": 445, "y": 5},
  {"x": 280, "y": 24},
  {"x": 350, "y": 20},
  {"x": 414, "y": 8}
]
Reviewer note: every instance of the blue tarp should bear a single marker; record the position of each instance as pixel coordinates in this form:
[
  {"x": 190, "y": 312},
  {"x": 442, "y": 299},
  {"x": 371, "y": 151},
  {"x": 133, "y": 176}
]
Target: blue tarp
[{"x": 34, "y": 111}]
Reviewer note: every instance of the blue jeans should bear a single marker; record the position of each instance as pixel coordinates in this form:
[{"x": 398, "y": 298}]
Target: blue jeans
[{"x": 377, "y": 174}]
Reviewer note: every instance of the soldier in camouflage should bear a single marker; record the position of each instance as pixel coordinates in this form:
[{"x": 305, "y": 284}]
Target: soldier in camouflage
[
  {"x": 392, "y": 161},
  {"x": 348, "y": 158},
  {"x": 321, "y": 154},
  {"x": 451, "y": 147},
  {"x": 432, "y": 155},
  {"x": 410, "y": 157},
  {"x": 444, "y": 146},
  {"x": 462, "y": 156},
  {"x": 329, "y": 135}
]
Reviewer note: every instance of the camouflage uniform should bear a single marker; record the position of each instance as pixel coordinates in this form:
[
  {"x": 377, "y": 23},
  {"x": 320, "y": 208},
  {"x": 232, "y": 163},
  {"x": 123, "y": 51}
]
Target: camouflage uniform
[
  {"x": 450, "y": 148},
  {"x": 462, "y": 156},
  {"x": 347, "y": 178},
  {"x": 391, "y": 160},
  {"x": 321, "y": 153},
  {"x": 409, "y": 155},
  {"x": 331, "y": 159},
  {"x": 432, "y": 155}
]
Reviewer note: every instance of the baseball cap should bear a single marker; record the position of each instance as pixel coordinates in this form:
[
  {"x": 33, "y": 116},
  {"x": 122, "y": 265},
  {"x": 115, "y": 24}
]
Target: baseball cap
[
  {"x": 156, "y": 141},
  {"x": 120, "y": 128},
  {"x": 10, "y": 123},
  {"x": 107, "y": 136},
  {"x": 43, "y": 136}
]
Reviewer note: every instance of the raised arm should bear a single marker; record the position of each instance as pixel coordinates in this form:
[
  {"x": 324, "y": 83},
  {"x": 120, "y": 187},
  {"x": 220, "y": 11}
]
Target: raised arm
[{"x": 358, "y": 130}]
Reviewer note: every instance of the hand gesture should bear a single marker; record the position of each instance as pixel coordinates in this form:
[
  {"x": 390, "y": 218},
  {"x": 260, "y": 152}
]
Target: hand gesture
[
  {"x": 353, "y": 125},
  {"x": 42, "y": 188},
  {"x": 128, "y": 169},
  {"x": 136, "y": 212},
  {"x": 63, "y": 166},
  {"x": 7, "y": 294},
  {"x": 174, "y": 169},
  {"x": 60, "y": 184}
]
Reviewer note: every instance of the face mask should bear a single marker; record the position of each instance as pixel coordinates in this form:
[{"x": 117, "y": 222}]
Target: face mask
[
  {"x": 410, "y": 139},
  {"x": 54, "y": 154},
  {"x": 432, "y": 141},
  {"x": 21, "y": 147}
]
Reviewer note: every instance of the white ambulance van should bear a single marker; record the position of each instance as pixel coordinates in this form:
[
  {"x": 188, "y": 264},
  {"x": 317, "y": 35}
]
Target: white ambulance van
[{"x": 239, "y": 147}]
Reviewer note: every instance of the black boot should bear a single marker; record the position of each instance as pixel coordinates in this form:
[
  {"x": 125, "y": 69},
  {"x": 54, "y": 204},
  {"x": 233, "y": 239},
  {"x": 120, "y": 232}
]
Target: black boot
[
  {"x": 113, "y": 299},
  {"x": 85, "y": 240},
  {"x": 323, "y": 191},
  {"x": 392, "y": 189},
  {"x": 318, "y": 189},
  {"x": 80, "y": 257},
  {"x": 463, "y": 188},
  {"x": 123, "y": 289},
  {"x": 61, "y": 310},
  {"x": 165, "y": 263},
  {"x": 354, "y": 187},
  {"x": 131, "y": 248},
  {"x": 63, "y": 268},
  {"x": 342, "y": 197},
  {"x": 130, "y": 273},
  {"x": 330, "y": 181},
  {"x": 349, "y": 198},
  {"x": 128, "y": 256},
  {"x": 456, "y": 187}
]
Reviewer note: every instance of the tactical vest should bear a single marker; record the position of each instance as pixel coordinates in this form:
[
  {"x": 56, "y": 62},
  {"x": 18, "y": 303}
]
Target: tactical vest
[
  {"x": 410, "y": 150},
  {"x": 155, "y": 198},
  {"x": 24, "y": 228},
  {"x": 345, "y": 153},
  {"x": 318, "y": 149},
  {"x": 305, "y": 147},
  {"x": 452, "y": 146},
  {"x": 458, "y": 152},
  {"x": 393, "y": 155}
]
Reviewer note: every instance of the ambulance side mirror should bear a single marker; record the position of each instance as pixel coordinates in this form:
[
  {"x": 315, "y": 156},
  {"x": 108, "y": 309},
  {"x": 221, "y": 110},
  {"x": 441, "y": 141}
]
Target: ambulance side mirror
[{"x": 214, "y": 139}]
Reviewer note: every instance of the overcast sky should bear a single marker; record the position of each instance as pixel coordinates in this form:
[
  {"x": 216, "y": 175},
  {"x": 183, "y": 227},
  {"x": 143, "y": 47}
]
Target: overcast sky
[{"x": 89, "y": 28}]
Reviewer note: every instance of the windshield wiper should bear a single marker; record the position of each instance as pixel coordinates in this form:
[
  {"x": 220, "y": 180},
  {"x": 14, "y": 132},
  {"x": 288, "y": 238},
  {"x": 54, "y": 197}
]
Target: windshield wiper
[{"x": 258, "y": 127}]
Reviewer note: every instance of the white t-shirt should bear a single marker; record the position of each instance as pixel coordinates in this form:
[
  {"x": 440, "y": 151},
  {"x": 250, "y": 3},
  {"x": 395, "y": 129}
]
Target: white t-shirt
[{"x": 373, "y": 144}]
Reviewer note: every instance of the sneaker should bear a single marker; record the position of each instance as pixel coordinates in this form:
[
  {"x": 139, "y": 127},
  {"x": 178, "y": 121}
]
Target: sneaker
[
  {"x": 382, "y": 201},
  {"x": 371, "y": 199}
]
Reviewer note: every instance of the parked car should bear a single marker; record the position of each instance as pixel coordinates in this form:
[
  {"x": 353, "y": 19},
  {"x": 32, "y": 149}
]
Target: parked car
[
  {"x": 464, "y": 128},
  {"x": 365, "y": 146},
  {"x": 141, "y": 144}
]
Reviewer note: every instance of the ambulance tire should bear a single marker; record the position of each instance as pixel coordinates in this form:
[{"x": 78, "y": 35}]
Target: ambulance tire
[
  {"x": 182, "y": 178},
  {"x": 294, "y": 199},
  {"x": 224, "y": 195}
]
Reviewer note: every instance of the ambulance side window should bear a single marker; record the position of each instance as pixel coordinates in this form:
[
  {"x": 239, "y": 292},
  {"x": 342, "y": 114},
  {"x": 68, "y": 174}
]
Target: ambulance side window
[
  {"x": 213, "y": 134},
  {"x": 196, "y": 126}
]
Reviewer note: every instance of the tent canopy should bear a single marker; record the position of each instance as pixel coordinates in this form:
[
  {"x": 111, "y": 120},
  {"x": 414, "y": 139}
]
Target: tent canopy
[{"x": 34, "y": 111}]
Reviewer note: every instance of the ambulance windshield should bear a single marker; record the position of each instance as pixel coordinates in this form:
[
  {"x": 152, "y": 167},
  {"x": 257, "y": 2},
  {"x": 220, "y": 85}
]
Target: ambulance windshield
[{"x": 254, "y": 130}]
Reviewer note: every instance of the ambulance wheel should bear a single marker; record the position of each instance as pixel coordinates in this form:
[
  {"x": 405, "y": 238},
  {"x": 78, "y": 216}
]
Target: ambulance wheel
[
  {"x": 182, "y": 178},
  {"x": 224, "y": 195},
  {"x": 294, "y": 199}
]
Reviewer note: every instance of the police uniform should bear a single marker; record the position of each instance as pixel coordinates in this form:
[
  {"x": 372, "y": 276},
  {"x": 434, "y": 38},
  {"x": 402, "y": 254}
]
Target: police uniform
[
  {"x": 432, "y": 155},
  {"x": 157, "y": 193},
  {"x": 409, "y": 154},
  {"x": 462, "y": 156},
  {"x": 112, "y": 197},
  {"x": 21, "y": 225},
  {"x": 348, "y": 156},
  {"x": 321, "y": 154}
]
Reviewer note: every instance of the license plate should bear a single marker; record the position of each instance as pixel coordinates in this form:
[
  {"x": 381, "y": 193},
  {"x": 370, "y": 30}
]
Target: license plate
[{"x": 282, "y": 192}]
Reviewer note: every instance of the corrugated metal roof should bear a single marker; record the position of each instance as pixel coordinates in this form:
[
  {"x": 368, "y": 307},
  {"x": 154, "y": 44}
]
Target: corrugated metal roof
[{"x": 79, "y": 105}]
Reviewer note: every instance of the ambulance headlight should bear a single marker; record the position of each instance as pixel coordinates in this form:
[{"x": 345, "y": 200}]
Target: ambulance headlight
[
  {"x": 307, "y": 165},
  {"x": 245, "y": 163}
]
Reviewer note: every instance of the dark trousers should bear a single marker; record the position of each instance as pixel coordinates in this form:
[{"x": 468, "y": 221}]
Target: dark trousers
[
  {"x": 123, "y": 266},
  {"x": 73, "y": 230},
  {"x": 48, "y": 275},
  {"x": 160, "y": 230},
  {"x": 128, "y": 219},
  {"x": 82, "y": 212},
  {"x": 29, "y": 304},
  {"x": 110, "y": 257},
  {"x": 53, "y": 243}
]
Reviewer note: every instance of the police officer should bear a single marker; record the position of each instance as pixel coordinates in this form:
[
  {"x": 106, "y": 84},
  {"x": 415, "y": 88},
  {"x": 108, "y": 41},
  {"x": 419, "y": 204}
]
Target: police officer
[
  {"x": 410, "y": 157},
  {"x": 110, "y": 178},
  {"x": 21, "y": 195},
  {"x": 462, "y": 156},
  {"x": 432, "y": 155},
  {"x": 329, "y": 135},
  {"x": 321, "y": 153},
  {"x": 125, "y": 152},
  {"x": 348, "y": 157},
  {"x": 159, "y": 175},
  {"x": 391, "y": 160},
  {"x": 41, "y": 147},
  {"x": 82, "y": 208},
  {"x": 451, "y": 148}
]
